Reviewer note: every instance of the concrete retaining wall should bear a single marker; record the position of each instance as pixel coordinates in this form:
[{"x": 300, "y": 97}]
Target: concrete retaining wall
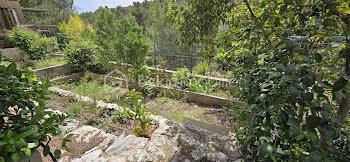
[
  {"x": 54, "y": 71},
  {"x": 199, "y": 98},
  {"x": 12, "y": 53}
]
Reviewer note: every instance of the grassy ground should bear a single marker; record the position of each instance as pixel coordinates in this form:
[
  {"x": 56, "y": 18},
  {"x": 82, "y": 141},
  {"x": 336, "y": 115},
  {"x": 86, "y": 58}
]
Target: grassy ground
[
  {"x": 95, "y": 90},
  {"x": 39, "y": 64},
  {"x": 88, "y": 114}
]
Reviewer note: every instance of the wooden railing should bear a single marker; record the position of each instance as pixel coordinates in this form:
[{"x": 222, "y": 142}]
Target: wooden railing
[{"x": 44, "y": 30}]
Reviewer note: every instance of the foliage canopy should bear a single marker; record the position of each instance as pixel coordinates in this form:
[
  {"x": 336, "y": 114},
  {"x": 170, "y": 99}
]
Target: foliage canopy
[{"x": 288, "y": 57}]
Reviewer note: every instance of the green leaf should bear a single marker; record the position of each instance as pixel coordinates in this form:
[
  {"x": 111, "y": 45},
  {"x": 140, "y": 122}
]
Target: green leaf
[
  {"x": 346, "y": 10},
  {"x": 32, "y": 145},
  {"x": 71, "y": 150},
  {"x": 313, "y": 136},
  {"x": 339, "y": 84},
  {"x": 265, "y": 148},
  {"x": 57, "y": 154},
  {"x": 12, "y": 68},
  {"x": 318, "y": 58},
  {"x": 2, "y": 159},
  {"x": 294, "y": 90},
  {"x": 293, "y": 122},
  {"x": 24, "y": 134},
  {"x": 27, "y": 151},
  {"x": 293, "y": 132}
]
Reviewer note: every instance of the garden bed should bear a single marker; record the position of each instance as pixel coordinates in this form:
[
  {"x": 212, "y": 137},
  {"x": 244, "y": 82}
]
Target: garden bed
[
  {"x": 170, "y": 142},
  {"x": 172, "y": 109}
]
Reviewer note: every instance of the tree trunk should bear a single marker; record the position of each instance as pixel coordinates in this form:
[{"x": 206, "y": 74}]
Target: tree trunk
[{"x": 344, "y": 106}]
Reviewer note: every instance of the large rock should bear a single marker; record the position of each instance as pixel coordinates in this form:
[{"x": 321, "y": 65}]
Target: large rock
[{"x": 127, "y": 146}]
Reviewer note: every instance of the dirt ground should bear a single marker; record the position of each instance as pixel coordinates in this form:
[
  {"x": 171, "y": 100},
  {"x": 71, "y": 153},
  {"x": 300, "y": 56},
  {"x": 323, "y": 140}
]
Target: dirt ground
[{"x": 176, "y": 110}]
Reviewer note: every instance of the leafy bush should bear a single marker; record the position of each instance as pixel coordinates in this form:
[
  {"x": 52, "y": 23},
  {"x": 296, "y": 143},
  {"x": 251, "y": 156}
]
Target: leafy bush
[
  {"x": 62, "y": 37},
  {"x": 292, "y": 59},
  {"x": 24, "y": 125},
  {"x": 138, "y": 112},
  {"x": 200, "y": 85},
  {"x": 203, "y": 68},
  {"x": 181, "y": 78},
  {"x": 32, "y": 44},
  {"x": 81, "y": 54}
]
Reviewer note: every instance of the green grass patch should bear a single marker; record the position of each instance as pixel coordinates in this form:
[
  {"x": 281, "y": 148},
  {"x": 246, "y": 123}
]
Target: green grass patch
[
  {"x": 94, "y": 90},
  {"x": 39, "y": 64}
]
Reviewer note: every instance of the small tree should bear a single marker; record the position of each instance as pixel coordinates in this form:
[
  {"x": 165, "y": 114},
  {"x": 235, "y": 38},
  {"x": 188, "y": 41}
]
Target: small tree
[
  {"x": 105, "y": 35},
  {"x": 131, "y": 45}
]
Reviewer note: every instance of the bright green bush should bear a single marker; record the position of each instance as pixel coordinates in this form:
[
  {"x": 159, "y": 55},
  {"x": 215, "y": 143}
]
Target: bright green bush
[
  {"x": 203, "y": 68},
  {"x": 32, "y": 44},
  {"x": 181, "y": 78},
  {"x": 25, "y": 126},
  {"x": 81, "y": 54}
]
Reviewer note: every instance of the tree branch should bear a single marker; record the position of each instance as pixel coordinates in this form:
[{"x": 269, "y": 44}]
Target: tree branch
[{"x": 250, "y": 9}]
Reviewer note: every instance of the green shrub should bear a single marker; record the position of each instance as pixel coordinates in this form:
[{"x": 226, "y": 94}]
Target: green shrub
[
  {"x": 200, "y": 85},
  {"x": 138, "y": 112},
  {"x": 81, "y": 54},
  {"x": 24, "y": 125},
  {"x": 181, "y": 78},
  {"x": 32, "y": 44},
  {"x": 203, "y": 68}
]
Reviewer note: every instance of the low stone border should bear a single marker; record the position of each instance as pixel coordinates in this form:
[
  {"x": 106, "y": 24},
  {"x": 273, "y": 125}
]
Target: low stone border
[
  {"x": 54, "y": 71},
  {"x": 198, "y": 98},
  {"x": 170, "y": 142}
]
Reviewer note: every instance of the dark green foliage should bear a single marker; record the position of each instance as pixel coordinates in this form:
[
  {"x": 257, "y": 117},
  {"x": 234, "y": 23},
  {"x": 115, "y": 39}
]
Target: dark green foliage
[
  {"x": 25, "y": 125},
  {"x": 81, "y": 54},
  {"x": 289, "y": 57},
  {"x": 32, "y": 44}
]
